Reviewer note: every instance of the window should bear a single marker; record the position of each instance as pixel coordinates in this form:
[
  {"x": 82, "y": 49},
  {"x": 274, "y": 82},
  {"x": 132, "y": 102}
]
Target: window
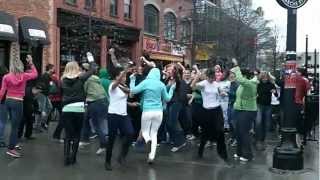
[
  {"x": 127, "y": 9},
  {"x": 90, "y": 4},
  {"x": 151, "y": 20},
  {"x": 170, "y": 25},
  {"x": 186, "y": 30},
  {"x": 71, "y": 2},
  {"x": 113, "y": 7}
]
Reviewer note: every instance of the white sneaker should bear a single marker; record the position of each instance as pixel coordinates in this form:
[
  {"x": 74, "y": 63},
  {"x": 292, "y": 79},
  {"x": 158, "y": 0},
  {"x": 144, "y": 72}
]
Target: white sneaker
[
  {"x": 100, "y": 151},
  {"x": 244, "y": 159},
  {"x": 236, "y": 156},
  {"x": 191, "y": 137},
  {"x": 175, "y": 149},
  {"x": 83, "y": 144}
]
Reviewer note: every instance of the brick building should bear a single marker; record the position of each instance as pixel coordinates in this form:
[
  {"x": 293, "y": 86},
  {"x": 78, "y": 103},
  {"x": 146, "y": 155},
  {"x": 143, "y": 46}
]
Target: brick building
[
  {"x": 58, "y": 31},
  {"x": 167, "y": 30}
]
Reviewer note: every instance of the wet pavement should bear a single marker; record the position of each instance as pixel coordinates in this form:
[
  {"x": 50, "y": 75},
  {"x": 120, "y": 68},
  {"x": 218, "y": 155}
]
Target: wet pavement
[{"x": 42, "y": 160}]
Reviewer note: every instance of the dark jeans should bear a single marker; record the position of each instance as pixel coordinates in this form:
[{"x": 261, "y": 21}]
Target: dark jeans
[
  {"x": 73, "y": 124},
  {"x": 135, "y": 113},
  {"x": 28, "y": 120},
  {"x": 124, "y": 126},
  {"x": 174, "y": 126},
  {"x": 232, "y": 120},
  {"x": 197, "y": 114},
  {"x": 186, "y": 119},
  {"x": 3, "y": 121},
  {"x": 162, "y": 132},
  {"x": 244, "y": 121},
  {"x": 60, "y": 126},
  {"x": 263, "y": 122},
  {"x": 212, "y": 126},
  {"x": 97, "y": 112},
  {"x": 15, "y": 111}
]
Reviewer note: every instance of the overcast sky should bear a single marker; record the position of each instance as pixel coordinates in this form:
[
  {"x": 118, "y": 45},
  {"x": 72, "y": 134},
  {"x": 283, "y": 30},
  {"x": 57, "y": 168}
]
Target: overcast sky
[{"x": 308, "y": 22}]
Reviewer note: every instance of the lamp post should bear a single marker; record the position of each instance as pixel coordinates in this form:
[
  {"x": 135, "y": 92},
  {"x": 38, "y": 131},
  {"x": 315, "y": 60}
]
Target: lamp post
[{"x": 288, "y": 156}]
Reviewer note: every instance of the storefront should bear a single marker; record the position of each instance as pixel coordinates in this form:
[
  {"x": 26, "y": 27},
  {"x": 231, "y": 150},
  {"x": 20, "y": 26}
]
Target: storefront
[
  {"x": 33, "y": 37},
  {"x": 80, "y": 33},
  {"x": 162, "y": 52},
  {"x": 8, "y": 34}
]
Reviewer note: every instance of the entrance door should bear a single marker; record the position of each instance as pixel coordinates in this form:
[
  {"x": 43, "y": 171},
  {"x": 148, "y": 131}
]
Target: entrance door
[{"x": 35, "y": 52}]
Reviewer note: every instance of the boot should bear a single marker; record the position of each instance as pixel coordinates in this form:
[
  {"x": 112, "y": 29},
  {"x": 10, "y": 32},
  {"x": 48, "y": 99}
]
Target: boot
[
  {"x": 107, "y": 163},
  {"x": 201, "y": 147},
  {"x": 67, "y": 153},
  {"x": 75, "y": 146},
  {"x": 124, "y": 150}
]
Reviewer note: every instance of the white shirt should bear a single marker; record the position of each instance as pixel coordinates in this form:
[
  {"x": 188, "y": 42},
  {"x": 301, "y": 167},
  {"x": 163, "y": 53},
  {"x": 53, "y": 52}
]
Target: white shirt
[
  {"x": 210, "y": 94},
  {"x": 117, "y": 101},
  {"x": 275, "y": 100},
  {"x": 224, "y": 86}
]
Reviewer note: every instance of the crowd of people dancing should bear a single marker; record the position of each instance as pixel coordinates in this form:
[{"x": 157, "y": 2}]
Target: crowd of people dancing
[{"x": 145, "y": 105}]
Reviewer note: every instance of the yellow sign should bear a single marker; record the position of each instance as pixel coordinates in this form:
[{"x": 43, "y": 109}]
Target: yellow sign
[
  {"x": 203, "y": 51},
  {"x": 166, "y": 57}
]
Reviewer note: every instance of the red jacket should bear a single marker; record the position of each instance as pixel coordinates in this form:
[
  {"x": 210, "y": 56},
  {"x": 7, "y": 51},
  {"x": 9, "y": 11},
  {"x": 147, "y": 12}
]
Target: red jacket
[
  {"x": 302, "y": 88},
  {"x": 15, "y": 84},
  {"x": 56, "y": 97}
]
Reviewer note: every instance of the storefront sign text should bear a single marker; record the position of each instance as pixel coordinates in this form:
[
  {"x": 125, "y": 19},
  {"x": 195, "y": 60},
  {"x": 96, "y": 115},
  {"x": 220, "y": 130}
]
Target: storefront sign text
[{"x": 6, "y": 28}]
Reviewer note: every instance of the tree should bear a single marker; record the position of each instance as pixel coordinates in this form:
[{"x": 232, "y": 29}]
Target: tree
[{"x": 243, "y": 31}]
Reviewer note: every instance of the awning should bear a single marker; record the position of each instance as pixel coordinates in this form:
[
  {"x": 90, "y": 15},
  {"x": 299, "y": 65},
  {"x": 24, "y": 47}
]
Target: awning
[
  {"x": 165, "y": 57},
  {"x": 8, "y": 30},
  {"x": 33, "y": 31}
]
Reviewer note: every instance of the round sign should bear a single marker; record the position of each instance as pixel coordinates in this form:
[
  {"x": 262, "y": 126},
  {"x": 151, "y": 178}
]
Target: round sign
[{"x": 292, "y": 4}]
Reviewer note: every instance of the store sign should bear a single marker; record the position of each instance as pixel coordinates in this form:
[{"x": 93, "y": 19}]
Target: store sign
[
  {"x": 292, "y": 4},
  {"x": 179, "y": 50},
  {"x": 37, "y": 33},
  {"x": 290, "y": 73},
  {"x": 6, "y": 28},
  {"x": 150, "y": 44},
  {"x": 166, "y": 47}
]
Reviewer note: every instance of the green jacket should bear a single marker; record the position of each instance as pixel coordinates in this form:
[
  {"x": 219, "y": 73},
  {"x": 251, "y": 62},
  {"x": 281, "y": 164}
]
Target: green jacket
[
  {"x": 246, "y": 95},
  {"x": 93, "y": 89},
  {"x": 105, "y": 80}
]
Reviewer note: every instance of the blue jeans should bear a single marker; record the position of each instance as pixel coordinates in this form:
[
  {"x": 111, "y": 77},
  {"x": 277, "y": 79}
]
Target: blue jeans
[
  {"x": 162, "y": 132},
  {"x": 263, "y": 122},
  {"x": 244, "y": 121},
  {"x": 231, "y": 120},
  {"x": 97, "y": 112},
  {"x": 173, "y": 125},
  {"x": 15, "y": 111},
  {"x": 3, "y": 121}
]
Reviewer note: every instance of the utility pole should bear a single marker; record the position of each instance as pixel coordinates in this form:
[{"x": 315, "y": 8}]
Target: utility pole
[
  {"x": 315, "y": 63},
  {"x": 307, "y": 57}
]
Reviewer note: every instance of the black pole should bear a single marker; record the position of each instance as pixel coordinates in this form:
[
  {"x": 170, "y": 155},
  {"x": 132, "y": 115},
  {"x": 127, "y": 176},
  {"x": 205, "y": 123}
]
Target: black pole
[
  {"x": 90, "y": 26},
  {"x": 288, "y": 156},
  {"x": 306, "y": 60},
  {"x": 315, "y": 63}
]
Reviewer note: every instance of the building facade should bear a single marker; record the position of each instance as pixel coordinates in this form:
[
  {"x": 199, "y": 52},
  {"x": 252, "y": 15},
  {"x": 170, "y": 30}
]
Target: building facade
[
  {"x": 168, "y": 30},
  {"x": 59, "y": 31}
]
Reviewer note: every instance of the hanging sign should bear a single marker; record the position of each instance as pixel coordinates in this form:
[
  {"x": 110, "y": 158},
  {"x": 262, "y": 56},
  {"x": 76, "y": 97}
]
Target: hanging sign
[
  {"x": 37, "y": 33},
  {"x": 292, "y": 4}
]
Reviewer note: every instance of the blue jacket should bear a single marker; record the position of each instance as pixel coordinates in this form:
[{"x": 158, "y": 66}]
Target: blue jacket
[{"x": 153, "y": 91}]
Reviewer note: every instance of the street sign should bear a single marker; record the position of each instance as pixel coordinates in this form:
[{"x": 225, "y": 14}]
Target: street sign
[{"x": 292, "y": 4}]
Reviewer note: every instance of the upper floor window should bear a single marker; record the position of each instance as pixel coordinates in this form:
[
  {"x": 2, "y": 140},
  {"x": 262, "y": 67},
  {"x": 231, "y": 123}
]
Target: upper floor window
[
  {"x": 113, "y": 7},
  {"x": 127, "y": 9},
  {"x": 71, "y": 2},
  {"x": 170, "y": 24},
  {"x": 90, "y": 4},
  {"x": 186, "y": 30},
  {"x": 151, "y": 19}
]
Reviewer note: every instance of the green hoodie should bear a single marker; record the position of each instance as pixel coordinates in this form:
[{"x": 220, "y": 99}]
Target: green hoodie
[
  {"x": 246, "y": 95},
  {"x": 105, "y": 80},
  {"x": 94, "y": 89}
]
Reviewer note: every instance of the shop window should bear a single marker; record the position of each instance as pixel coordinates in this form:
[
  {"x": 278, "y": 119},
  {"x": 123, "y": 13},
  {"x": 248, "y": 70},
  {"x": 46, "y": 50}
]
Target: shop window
[
  {"x": 71, "y": 2},
  {"x": 170, "y": 24},
  {"x": 113, "y": 7},
  {"x": 90, "y": 4},
  {"x": 151, "y": 20},
  {"x": 127, "y": 9}
]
